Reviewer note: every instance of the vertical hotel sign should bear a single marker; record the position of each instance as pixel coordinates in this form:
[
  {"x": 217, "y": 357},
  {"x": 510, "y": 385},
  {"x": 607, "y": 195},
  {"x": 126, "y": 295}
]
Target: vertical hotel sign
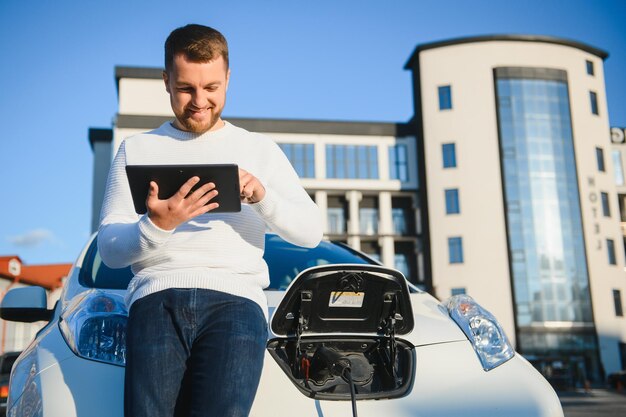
[{"x": 593, "y": 199}]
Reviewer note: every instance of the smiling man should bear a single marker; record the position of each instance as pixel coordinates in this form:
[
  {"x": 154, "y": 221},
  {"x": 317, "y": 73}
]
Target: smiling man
[
  {"x": 197, "y": 90},
  {"x": 197, "y": 324}
]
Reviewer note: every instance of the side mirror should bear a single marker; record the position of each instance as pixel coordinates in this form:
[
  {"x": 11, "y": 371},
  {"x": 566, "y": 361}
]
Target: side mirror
[{"x": 27, "y": 304}]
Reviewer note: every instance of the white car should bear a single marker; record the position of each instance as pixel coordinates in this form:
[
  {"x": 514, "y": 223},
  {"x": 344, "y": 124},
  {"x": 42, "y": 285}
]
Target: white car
[{"x": 347, "y": 336}]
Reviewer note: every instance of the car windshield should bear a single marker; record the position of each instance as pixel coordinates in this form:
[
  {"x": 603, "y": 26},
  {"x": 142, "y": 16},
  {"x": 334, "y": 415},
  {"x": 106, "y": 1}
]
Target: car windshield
[{"x": 285, "y": 262}]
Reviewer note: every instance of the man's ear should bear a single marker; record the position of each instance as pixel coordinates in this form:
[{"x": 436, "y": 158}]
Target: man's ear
[
  {"x": 227, "y": 79},
  {"x": 166, "y": 80}
]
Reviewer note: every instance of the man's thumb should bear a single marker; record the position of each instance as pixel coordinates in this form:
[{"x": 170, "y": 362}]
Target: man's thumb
[{"x": 153, "y": 191}]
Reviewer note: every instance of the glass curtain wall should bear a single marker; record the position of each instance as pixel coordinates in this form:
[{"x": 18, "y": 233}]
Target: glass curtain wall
[{"x": 546, "y": 247}]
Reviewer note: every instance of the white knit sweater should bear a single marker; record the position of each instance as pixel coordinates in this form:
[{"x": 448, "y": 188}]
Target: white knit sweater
[{"x": 217, "y": 251}]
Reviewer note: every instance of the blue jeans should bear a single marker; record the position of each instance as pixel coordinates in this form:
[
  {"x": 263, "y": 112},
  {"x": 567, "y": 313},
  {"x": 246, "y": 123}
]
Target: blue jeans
[{"x": 193, "y": 353}]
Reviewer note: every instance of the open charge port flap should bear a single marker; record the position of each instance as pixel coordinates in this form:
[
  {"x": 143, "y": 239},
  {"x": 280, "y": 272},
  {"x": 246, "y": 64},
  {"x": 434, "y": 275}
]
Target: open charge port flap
[
  {"x": 348, "y": 299},
  {"x": 374, "y": 374}
]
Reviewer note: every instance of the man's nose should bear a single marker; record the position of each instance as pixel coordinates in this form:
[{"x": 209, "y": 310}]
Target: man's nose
[{"x": 199, "y": 99}]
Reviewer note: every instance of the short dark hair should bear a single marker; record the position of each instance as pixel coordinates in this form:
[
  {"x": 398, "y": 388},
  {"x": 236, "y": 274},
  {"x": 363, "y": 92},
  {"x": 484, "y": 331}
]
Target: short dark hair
[{"x": 197, "y": 42}]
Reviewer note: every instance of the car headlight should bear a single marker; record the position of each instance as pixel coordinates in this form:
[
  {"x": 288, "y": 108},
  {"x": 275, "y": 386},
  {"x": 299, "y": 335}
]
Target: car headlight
[
  {"x": 94, "y": 327},
  {"x": 482, "y": 329},
  {"x": 24, "y": 393}
]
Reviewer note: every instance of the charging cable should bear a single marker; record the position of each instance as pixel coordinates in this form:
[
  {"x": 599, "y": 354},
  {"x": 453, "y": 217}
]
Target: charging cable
[
  {"x": 347, "y": 376},
  {"x": 340, "y": 366}
]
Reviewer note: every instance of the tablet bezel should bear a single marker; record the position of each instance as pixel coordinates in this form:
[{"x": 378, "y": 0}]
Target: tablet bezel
[{"x": 170, "y": 178}]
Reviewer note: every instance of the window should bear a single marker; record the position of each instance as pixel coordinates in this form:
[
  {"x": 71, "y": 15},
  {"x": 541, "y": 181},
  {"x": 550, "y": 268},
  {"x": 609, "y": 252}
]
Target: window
[
  {"x": 606, "y": 210},
  {"x": 458, "y": 291},
  {"x": 600, "y": 159},
  {"x": 618, "y": 169},
  {"x": 372, "y": 249},
  {"x": 398, "y": 164},
  {"x": 401, "y": 263},
  {"x": 455, "y": 250},
  {"x": 445, "y": 97},
  {"x": 589, "y": 65},
  {"x": 452, "y": 201},
  {"x": 621, "y": 199},
  {"x": 302, "y": 158},
  {"x": 403, "y": 215},
  {"x": 610, "y": 247},
  {"x": 405, "y": 259},
  {"x": 368, "y": 220},
  {"x": 594, "y": 102},
  {"x": 539, "y": 175},
  {"x": 617, "y": 300},
  {"x": 449, "y": 155},
  {"x": 336, "y": 221},
  {"x": 398, "y": 220},
  {"x": 350, "y": 161}
]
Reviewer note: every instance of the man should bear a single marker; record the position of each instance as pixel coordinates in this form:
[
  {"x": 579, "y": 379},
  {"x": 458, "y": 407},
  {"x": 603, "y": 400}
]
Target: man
[{"x": 197, "y": 313}]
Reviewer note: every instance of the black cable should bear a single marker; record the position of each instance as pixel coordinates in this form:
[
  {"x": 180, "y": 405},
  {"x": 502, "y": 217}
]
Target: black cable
[
  {"x": 347, "y": 375},
  {"x": 339, "y": 365}
]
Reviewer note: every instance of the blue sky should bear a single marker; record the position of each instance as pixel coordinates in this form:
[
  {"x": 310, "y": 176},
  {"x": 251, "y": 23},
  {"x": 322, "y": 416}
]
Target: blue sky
[{"x": 323, "y": 60}]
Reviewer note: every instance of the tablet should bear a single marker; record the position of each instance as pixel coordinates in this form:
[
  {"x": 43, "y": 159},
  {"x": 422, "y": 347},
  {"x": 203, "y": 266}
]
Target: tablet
[{"x": 171, "y": 177}]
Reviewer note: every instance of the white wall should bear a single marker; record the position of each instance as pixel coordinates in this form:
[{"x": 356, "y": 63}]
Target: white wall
[{"x": 143, "y": 97}]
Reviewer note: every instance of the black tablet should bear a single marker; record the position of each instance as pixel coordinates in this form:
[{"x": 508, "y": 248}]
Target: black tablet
[{"x": 171, "y": 177}]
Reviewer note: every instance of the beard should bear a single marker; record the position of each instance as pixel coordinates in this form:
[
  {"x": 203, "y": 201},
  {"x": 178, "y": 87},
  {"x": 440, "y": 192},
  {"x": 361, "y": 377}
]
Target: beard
[{"x": 186, "y": 121}]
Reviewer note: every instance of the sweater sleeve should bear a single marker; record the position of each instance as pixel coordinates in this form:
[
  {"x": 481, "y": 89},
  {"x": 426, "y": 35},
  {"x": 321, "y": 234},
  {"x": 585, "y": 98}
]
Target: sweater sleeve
[
  {"x": 124, "y": 237},
  {"x": 287, "y": 208}
]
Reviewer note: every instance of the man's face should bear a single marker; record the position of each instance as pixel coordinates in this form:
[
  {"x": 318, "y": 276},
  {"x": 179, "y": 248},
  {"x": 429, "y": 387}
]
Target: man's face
[{"x": 197, "y": 93}]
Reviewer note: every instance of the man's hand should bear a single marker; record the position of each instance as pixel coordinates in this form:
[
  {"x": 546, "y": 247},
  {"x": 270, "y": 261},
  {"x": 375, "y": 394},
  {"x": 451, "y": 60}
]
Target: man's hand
[
  {"x": 250, "y": 188},
  {"x": 182, "y": 206}
]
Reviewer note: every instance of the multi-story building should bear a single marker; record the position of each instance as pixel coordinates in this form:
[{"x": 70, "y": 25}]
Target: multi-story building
[
  {"x": 518, "y": 194},
  {"x": 516, "y": 202}
]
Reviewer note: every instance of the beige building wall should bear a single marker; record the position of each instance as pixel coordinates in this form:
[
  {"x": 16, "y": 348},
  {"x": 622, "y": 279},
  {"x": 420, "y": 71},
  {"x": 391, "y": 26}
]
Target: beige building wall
[{"x": 472, "y": 124}]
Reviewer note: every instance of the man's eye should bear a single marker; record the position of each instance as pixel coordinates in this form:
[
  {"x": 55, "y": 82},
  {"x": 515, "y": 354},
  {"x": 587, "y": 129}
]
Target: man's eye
[{"x": 184, "y": 89}]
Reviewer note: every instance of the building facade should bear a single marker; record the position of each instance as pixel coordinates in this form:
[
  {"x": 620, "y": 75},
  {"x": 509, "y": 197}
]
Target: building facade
[
  {"x": 502, "y": 186},
  {"x": 518, "y": 195}
]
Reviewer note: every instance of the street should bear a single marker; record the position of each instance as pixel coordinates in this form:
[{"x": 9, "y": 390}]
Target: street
[{"x": 599, "y": 402}]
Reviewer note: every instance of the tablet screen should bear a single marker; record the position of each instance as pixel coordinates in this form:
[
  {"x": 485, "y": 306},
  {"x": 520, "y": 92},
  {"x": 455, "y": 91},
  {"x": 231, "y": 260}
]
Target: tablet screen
[{"x": 171, "y": 177}]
